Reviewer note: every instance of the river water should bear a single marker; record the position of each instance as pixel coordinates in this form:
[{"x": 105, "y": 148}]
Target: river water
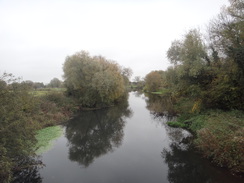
[{"x": 128, "y": 143}]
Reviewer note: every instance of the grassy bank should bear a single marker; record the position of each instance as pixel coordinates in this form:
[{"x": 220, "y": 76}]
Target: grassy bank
[
  {"x": 219, "y": 136},
  {"x": 53, "y": 108},
  {"x": 161, "y": 92}
]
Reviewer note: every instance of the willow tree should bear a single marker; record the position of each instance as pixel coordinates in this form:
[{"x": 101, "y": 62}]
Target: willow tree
[
  {"x": 93, "y": 81},
  {"x": 190, "y": 53},
  {"x": 191, "y": 63}
]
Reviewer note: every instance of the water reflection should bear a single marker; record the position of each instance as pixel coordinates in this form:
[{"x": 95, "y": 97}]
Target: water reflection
[
  {"x": 184, "y": 166},
  {"x": 29, "y": 174},
  {"x": 94, "y": 133},
  {"x": 183, "y": 162},
  {"x": 160, "y": 105}
]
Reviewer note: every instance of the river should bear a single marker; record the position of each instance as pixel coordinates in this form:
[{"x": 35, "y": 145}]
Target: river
[{"x": 128, "y": 143}]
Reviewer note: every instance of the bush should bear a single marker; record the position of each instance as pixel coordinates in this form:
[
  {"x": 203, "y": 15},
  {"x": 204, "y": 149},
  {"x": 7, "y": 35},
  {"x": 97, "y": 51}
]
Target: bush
[
  {"x": 16, "y": 128},
  {"x": 222, "y": 139},
  {"x": 54, "y": 108}
]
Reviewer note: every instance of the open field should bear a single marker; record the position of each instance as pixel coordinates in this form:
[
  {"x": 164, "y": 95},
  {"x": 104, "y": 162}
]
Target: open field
[{"x": 45, "y": 91}]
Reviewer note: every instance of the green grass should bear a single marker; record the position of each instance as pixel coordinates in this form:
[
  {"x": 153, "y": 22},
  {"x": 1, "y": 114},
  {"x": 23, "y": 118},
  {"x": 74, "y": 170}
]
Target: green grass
[
  {"x": 221, "y": 139},
  {"x": 161, "y": 92},
  {"x": 158, "y": 92},
  {"x": 45, "y": 91},
  {"x": 45, "y": 138},
  {"x": 176, "y": 124},
  {"x": 219, "y": 135},
  {"x": 39, "y": 93}
]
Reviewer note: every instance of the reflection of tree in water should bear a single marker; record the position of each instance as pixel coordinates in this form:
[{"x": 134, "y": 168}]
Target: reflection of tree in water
[
  {"x": 94, "y": 133},
  {"x": 29, "y": 173},
  {"x": 184, "y": 165},
  {"x": 160, "y": 106},
  {"x": 137, "y": 93}
]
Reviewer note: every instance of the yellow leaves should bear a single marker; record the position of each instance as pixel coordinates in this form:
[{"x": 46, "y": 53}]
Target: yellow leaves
[{"x": 196, "y": 106}]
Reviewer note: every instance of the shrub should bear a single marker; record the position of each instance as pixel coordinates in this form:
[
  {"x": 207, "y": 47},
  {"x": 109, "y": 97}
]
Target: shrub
[{"x": 222, "y": 139}]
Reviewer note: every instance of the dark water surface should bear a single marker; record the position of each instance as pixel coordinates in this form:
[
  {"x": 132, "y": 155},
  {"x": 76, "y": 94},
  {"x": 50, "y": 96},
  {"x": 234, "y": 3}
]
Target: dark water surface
[{"x": 129, "y": 143}]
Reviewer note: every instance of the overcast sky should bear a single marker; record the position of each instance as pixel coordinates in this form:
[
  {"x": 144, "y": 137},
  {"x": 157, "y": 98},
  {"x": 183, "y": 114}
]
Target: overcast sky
[{"x": 37, "y": 35}]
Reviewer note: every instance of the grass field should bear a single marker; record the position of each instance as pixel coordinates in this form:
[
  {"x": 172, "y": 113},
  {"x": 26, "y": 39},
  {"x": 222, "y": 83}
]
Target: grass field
[
  {"x": 161, "y": 92},
  {"x": 45, "y": 91}
]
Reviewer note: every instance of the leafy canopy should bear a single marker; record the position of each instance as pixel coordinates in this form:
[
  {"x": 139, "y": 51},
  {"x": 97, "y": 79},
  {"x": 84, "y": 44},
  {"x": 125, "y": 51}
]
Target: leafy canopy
[{"x": 94, "y": 81}]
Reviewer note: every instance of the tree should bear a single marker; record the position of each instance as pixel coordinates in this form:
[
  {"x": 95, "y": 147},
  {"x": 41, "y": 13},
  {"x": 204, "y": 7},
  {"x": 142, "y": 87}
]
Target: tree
[
  {"x": 38, "y": 85},
  {"x": 55, "y": 83},
  {"x": 153, "y": 81},
  {"x": 190, "y": 73},
  {"x": 16, "y": 127},
  {"x": 126, "y": 73},
  {"x": 226, "y": 33},
  {"x": 190, "y": 53},
  {"x": 94, "y": 81}
]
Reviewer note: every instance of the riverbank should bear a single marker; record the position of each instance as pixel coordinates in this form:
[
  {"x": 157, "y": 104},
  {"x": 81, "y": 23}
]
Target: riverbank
[
  {"x": 54, "y": 108},
  {"x": 219, "y": 135}
]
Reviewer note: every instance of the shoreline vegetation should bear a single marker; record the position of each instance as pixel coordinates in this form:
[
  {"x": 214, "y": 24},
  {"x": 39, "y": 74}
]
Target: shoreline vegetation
[{"x": 217, "y": 134}]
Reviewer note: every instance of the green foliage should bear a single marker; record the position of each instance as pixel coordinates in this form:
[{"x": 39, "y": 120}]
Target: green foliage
[
  {"x": 189, "y": 121},
  {"x": 55, "y": 83},
  {"x": 221, "y": 139},
  {"x": 21, "y": 114},
  {"x": 53, "y": 108},
  {"x": 157, "y": 93},
  {"x": 226, "y": 33},
  {"x": 213, "y": 73},
  {"x": 176, "y": 124},
  {"x": 219, "y": 136},
  {"x": 94, "y": 81},
  {"x": 46, "y": 91},
  {"x": 190, "y": 54},
  {"x": 137, "y": 84},
  {"x": 153, "y": 81},
  {"x": 16, "y": 126}
]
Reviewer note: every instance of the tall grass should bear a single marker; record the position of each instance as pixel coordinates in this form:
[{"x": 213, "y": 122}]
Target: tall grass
[
  {"x": 222, "y": 139},
  {"x": 219, "y": 136}
]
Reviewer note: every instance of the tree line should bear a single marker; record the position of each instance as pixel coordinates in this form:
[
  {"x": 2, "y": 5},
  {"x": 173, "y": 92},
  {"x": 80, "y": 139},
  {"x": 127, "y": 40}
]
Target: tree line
[
  {"x": 206, "y": 84},
  {"x": 207, "y": 68}
]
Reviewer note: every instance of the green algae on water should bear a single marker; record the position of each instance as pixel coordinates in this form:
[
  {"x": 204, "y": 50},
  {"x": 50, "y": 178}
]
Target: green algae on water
[{"x": 45, "y": 138}]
